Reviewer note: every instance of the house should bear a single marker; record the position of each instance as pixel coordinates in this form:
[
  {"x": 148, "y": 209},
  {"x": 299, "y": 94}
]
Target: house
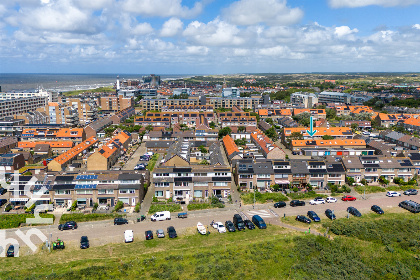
[
  {"x": 122, "y": 115},
  {"x": 107, "y": 155},
  {"x": 335, "y": 132},
  {"x": 94, "y": 127},
  {"x": 315, "y": 113},
  {"x": 360, "y": 124},
  {"x": 57, "y": 147},
  {"x": 231, "y": 149},
  {"x": 11, "y": 162},
  {"x": 266, "y": 146},
  {"x": 298, "y": 145},
  {"x": 7, "y": 143}
]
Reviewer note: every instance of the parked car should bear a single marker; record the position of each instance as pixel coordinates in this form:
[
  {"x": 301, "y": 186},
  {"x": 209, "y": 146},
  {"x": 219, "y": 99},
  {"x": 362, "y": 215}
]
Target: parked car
[
  {"x": 280, "y": 204},
  {"x": 160, "y": 233},
  {"x": 348, "y": 198},
  {"x": 330, "y": 214},
  {"x": 148, "y": 234},
  {"x": 171, "y": 232},
  {"x": 161, "y": 216},
  {"x": 230, "y": 226},
  {"x": 313, "y": 216},
  {"x": 68, "y": 225},
  {"x": 317, "y": 200},
  {"x": 2, "y": 202},
  {"x": 249, "y": 224},
  {"x": 410, "y": 205},
  {"x": 392, "y": 194},
  {"x": 120, "y": 221},
  {"x": 128, "y": 236},
  {"x": 3, "y": 191},
  {"x": 410, "y": 192},
  {"x": 259, "y": 222},
  {"x": 219, "y": 226},
  {"x": 331, "y": 199},
  {"x": 377, "y": 209},
  {"x": 294, "y": 203},
  {"x": 11, "y": 251},
  {"x": 238, "y": 222},
  {"x": 303, "y": 219},
  {"x": 84, "y": 242},
  {"x": 354, "y": 211}
]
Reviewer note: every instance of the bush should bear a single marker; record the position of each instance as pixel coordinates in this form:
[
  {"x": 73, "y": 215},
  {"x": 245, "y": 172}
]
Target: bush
[
  {"x": 154, "y": 199},
  {"x": 8, "y": 208},
  {"x": 73, "y": 206},
  {"x": 305, "y": 195},
  {"x": 199, "y": 206},
  {"x": 137, "y": 208},
  {"x": 363, "y": 181},
  {"x": 164, "y": 207},
  {"x": 95, "y": 206},
  {"x": 400, "y": 188},
  {"x": 248, "y": 198},
  {"x": 369, "y": 189},
  {"x": 80, "y": 217},
  {"x": 119, "y": 206}
]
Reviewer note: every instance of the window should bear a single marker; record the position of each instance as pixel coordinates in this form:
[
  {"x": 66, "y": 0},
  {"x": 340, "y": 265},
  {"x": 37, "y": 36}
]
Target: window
[
  {"x": 200, "y": 184},
  {"x": 198, "y": 193},
  {"x": 62, "y": 192},
  {"x": 87, "y": 191},
  {"x": 158, "y": 193},
  {"x": 181, "y": 184},
  {"x": 122, "y": 191},
  {"x": 220, "y": 184},
  {"x": 162, "y": 184},
  {"x": 105, "y": 191}
]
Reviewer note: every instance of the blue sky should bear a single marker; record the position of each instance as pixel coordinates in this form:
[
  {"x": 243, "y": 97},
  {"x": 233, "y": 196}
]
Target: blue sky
[{"x": 209, "y": 36}]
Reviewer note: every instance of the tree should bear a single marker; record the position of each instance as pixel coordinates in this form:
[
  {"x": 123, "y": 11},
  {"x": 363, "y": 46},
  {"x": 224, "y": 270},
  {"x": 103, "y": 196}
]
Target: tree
[
  {"x": 119, "y": 206},
  {"x": 354, "y": 127},
  {"x": 383, "y": 181},
  {"x": 149, "y": 127},
  {"x": 204, "y": 162},
  {"x": 304, "y": 118},
  {"x": 269, "y": 120},
  {"x": 202, "y": 149},
  {"x": 349, "y": 180},
  {"x": 255, "y": 115},
  {"x": 241, "y": 128},
  {"x": 225, "y": 131},
  {"x": 327, "y": 137},
  {"x": 331, "y": 113},
  {"x": 240, "y": 142},
  {"x": 296, "y": 136},
  {"x": 272, "y": 133},
  {"x": 212, "y": 125}
]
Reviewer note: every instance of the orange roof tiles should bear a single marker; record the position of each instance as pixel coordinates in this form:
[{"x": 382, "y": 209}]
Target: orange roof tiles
[
  {"x": 263, "y": 112},
  {"x": 263, "y": 141},
  {"x": 70, "y": 132},
  {"x": 310, "y": 111},
  {"x": 412, "y": 121},
  {"x": 329, "y": 143},
  {"x": 55, "y": 104},
  {"x": 76, "y": 150},
  {"x": 53, "y": 144},
  {"x": 230, "y": 145},
  {"x": 111, "y": 146},
  {"x": 333, "y": 131}
]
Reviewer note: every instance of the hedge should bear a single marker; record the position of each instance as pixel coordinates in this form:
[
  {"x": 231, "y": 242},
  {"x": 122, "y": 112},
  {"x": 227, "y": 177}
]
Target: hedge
[{"x": 14, "y": 220}]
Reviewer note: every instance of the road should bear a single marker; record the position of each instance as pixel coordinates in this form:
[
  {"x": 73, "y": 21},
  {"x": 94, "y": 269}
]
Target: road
[
  {"x": 105, "y": 232},
  {"x": 134, "y": 159}
]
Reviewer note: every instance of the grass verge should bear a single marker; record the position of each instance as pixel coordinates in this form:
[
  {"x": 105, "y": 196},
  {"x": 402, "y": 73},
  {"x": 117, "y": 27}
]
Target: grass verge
[
  {"x": 369, "y": 189},
  {"x": 248, "y": 198},
  {"x": 164, "y": 207},
  {"x": 77, "y": 92},
  {"x": 305, "y": 195},
  {"x": 14, "y": 220},
  {"x": 152, "y": 162},
  {"x": 80, "y": 217}
]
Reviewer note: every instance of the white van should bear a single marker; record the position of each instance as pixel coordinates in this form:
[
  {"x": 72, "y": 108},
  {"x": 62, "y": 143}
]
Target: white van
[
  {"x": 128, "y": 236},
  {"x": 161, "y": 216},
  {"x": 149, "y": 154}
]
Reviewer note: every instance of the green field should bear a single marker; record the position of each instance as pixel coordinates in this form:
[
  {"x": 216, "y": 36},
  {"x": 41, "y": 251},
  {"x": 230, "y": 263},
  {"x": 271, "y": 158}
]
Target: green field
[
  {"x": 77, "y": 92},
  {"x": 274, "y": 253}
]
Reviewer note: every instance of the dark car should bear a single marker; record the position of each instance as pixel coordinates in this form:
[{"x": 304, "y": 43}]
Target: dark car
[
  {"x": 249, "y": 224},
  {"x": 410, "y": 192},
  {"x": 303, "y": 219},
  {"x": 280, "y": 204},
  {"x": 377, "y": 209},
  {"x": 171, "y": 232},
  {"x": 238, "y": 222},
  {"x": 313, "y": 216},
  {"x": 68, "y": 225},
  {"x": 330, "y": 214},
  {"x": 230, "y": 226},
  {"x": 2, "y": 202},
  {"x": 3, "y": 191},
  {"x": 11, "y": 251},
  {"x": 354, "y": 211},
  {"x": 148, "y": 234},
  {"x": 294, "y": 203},
  {"x": 120, "y": 221},
  {"x": 259, "y": 222},
  {"x": 84, "y": 242}
]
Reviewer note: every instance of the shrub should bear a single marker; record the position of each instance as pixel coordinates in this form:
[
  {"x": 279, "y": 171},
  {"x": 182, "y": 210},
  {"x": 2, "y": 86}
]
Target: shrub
[
  {"x": 295, "y": 189},
  {"x": 119, "y": 206},
  {"x": 73, "y": 206},
  {"x": 164, "y": 207},
  {"x": 137, "y": 208},
  {"x": 14, "y": 221},
  {"x": 199, "y": 206},
  {"x": 248, "y": 198},
  {"x": 369, "y": 189},
  {"x": 154, "y": 199},
  {"x": 305, "y": 195},
  {"x": 95, "y": 206},
  {"x": 80, "y": 217},
  {"x": 8, "y": 208}
]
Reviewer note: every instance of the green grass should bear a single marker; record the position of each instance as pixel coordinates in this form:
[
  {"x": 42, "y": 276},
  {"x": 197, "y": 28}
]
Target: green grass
[
  {"x": 400, "y": 188},
  {"x": 164, "y": 207},
  {"x": 77, "y": 92},
  {"x": 306, "y": 195},
  {"x": 14, "y": 220},
  {"x": 369, "y": 189},
  {"x": 199, "y": 206},
  {"x": 152, "y": 162},
  {"x": 248, "y": 198},
  {"x": 80, "y": 217},
  {"x": 274, "y": 253}
]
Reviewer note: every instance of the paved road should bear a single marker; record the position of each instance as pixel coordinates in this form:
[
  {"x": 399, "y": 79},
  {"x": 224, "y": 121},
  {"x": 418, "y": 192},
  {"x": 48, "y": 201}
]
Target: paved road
[
  {"x": 132, "y": 162},
  {"x": 289, "y": 152},
  {"x": 104, "y": 232}
]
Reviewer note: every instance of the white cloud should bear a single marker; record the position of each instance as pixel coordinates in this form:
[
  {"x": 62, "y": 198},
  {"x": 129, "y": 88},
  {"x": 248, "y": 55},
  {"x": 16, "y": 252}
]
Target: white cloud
[
  {"x": 93, "y": 4},
  {"x": 241, "y": 52},
  {"x": 161, "y": 8},
  {"x": 416, "y": 26},
  {"x": 342, "y": 31},
  {"x": 214, "y": 33},
  {"x": 171, "y": 27},
  {"x": 363, "y": 3},
  {"x": 142, "y": 29},
  {"x": 197, "y": 50},
  {"x": 271, "y": 12}
]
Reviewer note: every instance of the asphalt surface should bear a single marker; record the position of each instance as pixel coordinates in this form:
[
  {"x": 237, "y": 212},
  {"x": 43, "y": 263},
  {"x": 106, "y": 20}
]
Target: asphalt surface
[{"x": 104, "y": 232}]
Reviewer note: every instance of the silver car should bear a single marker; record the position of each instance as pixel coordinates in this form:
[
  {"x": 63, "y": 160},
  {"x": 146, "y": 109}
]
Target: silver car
[{"x": 160, "y": 233}]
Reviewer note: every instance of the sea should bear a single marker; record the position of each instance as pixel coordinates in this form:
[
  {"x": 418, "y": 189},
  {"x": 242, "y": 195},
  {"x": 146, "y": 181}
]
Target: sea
[{"x": 10, "y": 82}]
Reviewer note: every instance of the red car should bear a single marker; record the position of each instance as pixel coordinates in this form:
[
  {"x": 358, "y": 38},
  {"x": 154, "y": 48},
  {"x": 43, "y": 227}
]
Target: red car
[{"x": 348, "y": 198}]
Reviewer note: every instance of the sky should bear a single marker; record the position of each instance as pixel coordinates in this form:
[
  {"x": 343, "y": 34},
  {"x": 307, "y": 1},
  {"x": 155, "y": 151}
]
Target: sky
[{"x": 209, "y": 36}]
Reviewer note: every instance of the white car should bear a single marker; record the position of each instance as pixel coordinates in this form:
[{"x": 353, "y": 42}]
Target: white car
[
  {"x": 317, "y": 200},
  {"x": 331, "y": 199},
  {"x": 219, "y": 226},
  {"x": 392, "y": 193}
]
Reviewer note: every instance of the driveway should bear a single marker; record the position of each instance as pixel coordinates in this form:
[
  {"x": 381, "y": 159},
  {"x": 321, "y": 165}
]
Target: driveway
[{"x": 132, "y": 162}]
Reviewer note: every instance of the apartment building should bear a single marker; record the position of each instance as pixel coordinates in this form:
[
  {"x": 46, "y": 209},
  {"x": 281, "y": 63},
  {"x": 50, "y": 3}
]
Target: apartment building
[
  {"x": 115, "y": 103},
  {"x": 93, "y": 128},
  {"x": 306, "y": 98},
  {"x": 57, "y": 147},
  {"x": 360, "y": 124},
  {"x": 51, "y": 96},
  {"x": 336, "y": 132},
  {"x": 19, "y": 106},
  {"x": 298, "y": 145},
  {"x": 108, "y": 154},
  {"x": 184, "y": 109},
  {"x": 241, "y": 102},
  {"x": 158, "y": 104},
  {"x": 60, "y": 114},
  {"x": 87, "y": 110},
  {"x": 191, "y": 183},
  {"x": 334, "y": 97},
  {"x": 77, "y": 135},
  {"x": 122, "y": 115}
]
